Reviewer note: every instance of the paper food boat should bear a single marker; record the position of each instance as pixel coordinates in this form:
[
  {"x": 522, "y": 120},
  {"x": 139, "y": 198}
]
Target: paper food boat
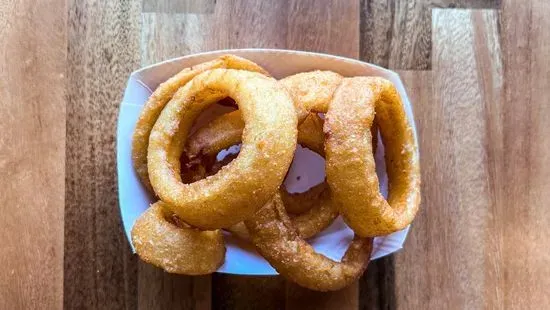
[{"x": 240, "y": 257}]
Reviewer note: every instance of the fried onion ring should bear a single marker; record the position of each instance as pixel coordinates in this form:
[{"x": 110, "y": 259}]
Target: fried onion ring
[
  {"x": 238, "y": 190},
  {"x": 310, "y": 91},
  {"x": 307, "y": 224},
  {"x": 279, "y": 243},
  {"x": 160, "y": 97},
  {"x": 318, "y": 212},
  {"x": 175, "y": 247},
  {"x": 350, "y": 165}
]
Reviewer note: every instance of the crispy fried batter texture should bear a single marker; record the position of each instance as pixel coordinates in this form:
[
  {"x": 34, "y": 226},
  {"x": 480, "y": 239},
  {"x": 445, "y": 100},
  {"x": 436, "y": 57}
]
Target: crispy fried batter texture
[
  {"x": 162, "y": 240},
  {"x": 279, "y": 243},
  {"x": 310, "y": 91},
  {"x": 316, "y": 211},
  {"x": 350, "y": 165},
  {"x": 269, "y": 140},
  {"x": 160, "y": 97},
  {"x": 308, "y": 224}
]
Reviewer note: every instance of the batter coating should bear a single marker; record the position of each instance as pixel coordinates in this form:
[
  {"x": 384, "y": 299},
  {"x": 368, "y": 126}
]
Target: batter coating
[
  {"x": 160, "y": 97},
  {"x": 350, "y": 165},
  {"x": 279, "y": 243},
  {"x": 176, "y": 247},
  {"x": 269, "y": 140}
]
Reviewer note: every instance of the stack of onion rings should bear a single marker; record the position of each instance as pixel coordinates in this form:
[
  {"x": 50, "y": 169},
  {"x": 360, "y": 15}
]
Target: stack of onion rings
[
  {"x": 164, "y": 93},
  {"x": 199, "y": 195},
  {"x": 313, "y": 210}
]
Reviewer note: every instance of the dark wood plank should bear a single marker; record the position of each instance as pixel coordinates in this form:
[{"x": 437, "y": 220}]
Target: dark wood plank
[
  {"x": 160, "y": 290},
  {"x": 248, "y": 292},
  {"x": 32, "y": 151},
  {"x": 299, "y": 298},
  {"x": 397, "y": 34},
  {"x": 103, "y": 48},
  {"x": 377, "y": 286}
]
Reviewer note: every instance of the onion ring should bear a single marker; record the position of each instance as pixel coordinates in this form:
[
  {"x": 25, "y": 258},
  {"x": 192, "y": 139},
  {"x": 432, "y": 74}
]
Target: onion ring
[
  {"x": 300, "y": 203},
  {"x": 160, "y": 97},
  {"x": 307, "y": 224},
  {"x": 350, "y": 166},
  {"x": 269, "y": 140},
  {"x": 176, "y": 248},
  {"x": 279, "y": 243},
  {"x": 318, "y": 212},
  {"x": 310, "y": 91}
]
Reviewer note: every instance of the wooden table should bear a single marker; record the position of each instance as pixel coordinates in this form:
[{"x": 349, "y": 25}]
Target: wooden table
[{"x": 477, "y": 72}]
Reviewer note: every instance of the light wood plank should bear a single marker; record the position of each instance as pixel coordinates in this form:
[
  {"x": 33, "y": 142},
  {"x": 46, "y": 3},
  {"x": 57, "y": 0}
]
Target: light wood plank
[
  {"x": 397, "y": 34},
  {"x": 249, "y": 23},
  {"x": 330, "y": 27},
  {"x": 449, "y": 255},
  {"x": 522, "y": 267},
  {"x": 32, "y": 153},
  {"x": 179, "y": 6},
  {"x": 100, "y": 272},
  {"x": 165, "y": 36}
]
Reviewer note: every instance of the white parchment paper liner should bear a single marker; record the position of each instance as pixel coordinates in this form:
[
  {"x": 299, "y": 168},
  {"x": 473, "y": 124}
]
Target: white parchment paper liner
[{"x": 240, "y": 257}]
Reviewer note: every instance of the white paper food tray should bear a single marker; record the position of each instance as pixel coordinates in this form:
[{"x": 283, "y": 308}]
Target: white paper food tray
[{"x": 240, "y": 257}]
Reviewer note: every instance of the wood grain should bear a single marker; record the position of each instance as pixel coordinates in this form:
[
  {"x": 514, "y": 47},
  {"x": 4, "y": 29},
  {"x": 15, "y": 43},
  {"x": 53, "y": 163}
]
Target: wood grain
[
  {"x": 330, "y": 27},
  {"x": 521, "y": 220},
  {"x": 480, "y": 90},
  {"x": 248, "y": 292},
  {"x": 397, "y": 34},
  {"x": 160, "y": 290},
  {"x": 455, "y": 147},
  {"x": 100, "y": 272},
  {"x": 32, "y": 152},
  {"x": 299, "y": 298},
  {"x": 377, "y": 285},
  {"x": 412, "y": 269},
  {"x": 180, "y": 6}
]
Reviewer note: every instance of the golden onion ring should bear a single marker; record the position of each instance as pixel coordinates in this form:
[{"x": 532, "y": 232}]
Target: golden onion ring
[
  {"x": 160, "y": 97},
  {"x": 243, "y": 186},
  {"x": 318, "y": 212},
  {"x": 275, "y": 238},
  {"x": 310, "y": 91},
  {"x": 176, "y": 248},
  {"x": 307, "y": 224},
  {"x": 350, "y": 165}
]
